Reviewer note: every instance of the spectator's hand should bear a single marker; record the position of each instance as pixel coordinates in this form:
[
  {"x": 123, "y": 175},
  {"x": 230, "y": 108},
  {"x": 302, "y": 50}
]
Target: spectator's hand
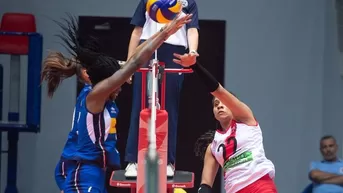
[
  {"x": 186, "y": 60},
  {"x": 122, "y": 63}
]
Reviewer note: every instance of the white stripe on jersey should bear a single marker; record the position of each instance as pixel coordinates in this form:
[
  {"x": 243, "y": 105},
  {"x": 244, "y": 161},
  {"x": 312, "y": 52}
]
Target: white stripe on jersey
[
  {"x": 90, "y": 125},
  {"x": 100, "y": 142}
]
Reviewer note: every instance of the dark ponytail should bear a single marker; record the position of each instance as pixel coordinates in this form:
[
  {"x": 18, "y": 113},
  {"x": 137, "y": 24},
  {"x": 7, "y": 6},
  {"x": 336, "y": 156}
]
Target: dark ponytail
[
  {"x": 87, "y": 50},
  {"x": 56, "y": 68},
  {"x": 202, "y": 143}
]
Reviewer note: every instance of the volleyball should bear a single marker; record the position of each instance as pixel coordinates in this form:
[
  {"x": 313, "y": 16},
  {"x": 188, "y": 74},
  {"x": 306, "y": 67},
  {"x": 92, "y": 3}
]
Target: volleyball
[{"x": 163, "y": 11}]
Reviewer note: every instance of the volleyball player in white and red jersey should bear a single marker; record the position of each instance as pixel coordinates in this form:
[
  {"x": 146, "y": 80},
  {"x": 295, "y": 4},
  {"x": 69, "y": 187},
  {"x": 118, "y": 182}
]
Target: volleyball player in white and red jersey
[{"x": 237, "y": 146}]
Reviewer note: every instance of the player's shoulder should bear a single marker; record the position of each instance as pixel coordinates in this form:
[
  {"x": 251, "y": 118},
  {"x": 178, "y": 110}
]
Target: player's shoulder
[
  {"x": 242, "y": 124},
  {"x": 86, "y": 88},
  {"x": 84, "y": 92}
]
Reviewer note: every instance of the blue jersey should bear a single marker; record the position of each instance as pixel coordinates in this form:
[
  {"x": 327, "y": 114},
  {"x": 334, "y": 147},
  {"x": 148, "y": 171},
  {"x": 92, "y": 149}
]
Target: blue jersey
[
  {"x": 70, "y": 146},
  {"x": 97, "y": 137}
]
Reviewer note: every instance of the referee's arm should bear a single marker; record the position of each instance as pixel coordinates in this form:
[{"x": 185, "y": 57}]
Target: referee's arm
[
  {"x": 192, "y": 28},
  {"x": 138, "y": 20}
]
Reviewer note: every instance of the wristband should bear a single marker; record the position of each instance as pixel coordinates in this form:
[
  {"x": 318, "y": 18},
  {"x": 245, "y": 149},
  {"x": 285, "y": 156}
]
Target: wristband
[
  {"x": 204, "y": 188},
  {"x": 207, "y": 78}
]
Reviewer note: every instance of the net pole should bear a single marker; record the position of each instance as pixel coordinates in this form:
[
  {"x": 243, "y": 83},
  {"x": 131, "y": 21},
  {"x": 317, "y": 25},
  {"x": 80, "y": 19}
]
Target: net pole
[{"x": 151, "y": 175}]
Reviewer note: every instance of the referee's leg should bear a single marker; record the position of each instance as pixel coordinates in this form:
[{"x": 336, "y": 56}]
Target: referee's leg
[
  {"x": 174, "y": 83},
  {"x": 131, "y": 150},
  {"x": 132, "y": 140}
]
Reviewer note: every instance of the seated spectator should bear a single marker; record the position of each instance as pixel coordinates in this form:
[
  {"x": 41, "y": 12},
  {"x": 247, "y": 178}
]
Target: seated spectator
[{"x": 327, "y": 175}]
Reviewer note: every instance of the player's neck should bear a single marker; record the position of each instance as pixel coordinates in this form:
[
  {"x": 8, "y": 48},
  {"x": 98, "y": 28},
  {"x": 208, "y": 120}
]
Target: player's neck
[{"x": 225, "y": 125}]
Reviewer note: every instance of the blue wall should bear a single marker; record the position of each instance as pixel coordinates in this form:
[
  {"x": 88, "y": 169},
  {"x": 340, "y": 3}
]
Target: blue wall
[{"x": 282, "y": 59}]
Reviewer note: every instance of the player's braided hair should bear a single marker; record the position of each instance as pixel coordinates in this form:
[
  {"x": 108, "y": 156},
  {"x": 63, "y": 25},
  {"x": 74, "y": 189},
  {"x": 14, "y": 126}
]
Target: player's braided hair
[
  {"x": 85, "y": 53},
  {"x": 86, "y": 50}
]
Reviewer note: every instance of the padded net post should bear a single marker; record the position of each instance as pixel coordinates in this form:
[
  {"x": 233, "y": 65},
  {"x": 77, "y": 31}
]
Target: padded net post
[{"x": 151, "y": 172}]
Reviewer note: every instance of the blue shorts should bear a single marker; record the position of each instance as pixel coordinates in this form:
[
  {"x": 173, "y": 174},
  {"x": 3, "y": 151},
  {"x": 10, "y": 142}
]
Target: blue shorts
[
  {"x": 63, "y": 167},
  {"x": 86, "y": 177}
]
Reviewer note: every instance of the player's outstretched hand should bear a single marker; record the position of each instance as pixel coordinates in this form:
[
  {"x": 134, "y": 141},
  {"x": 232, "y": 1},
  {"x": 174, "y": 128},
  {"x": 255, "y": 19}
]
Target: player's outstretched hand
[{"x": 177, "y": 23}]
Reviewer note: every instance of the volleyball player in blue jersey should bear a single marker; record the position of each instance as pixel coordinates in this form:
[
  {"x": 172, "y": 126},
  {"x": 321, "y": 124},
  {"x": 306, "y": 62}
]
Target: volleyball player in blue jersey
[
  {"x": 96, "y": 135},
  {"x": 55, "y": 66},
  {"x": 54, "y": 63}
]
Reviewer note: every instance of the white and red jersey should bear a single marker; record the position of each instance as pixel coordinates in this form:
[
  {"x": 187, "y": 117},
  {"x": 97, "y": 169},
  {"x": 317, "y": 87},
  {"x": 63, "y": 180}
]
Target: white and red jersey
[{"x": 239, "y": 150}]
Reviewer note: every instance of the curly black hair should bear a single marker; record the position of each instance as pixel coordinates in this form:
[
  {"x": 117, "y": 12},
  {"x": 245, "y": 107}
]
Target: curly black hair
[{"x": 202, "y": 143}]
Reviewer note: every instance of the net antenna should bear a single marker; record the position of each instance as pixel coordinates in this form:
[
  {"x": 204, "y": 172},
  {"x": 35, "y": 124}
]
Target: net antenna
[{"x": 152, "y": 157}]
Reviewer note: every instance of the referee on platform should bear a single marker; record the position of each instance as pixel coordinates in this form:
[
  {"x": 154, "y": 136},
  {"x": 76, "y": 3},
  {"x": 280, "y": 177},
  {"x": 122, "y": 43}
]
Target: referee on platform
[{"x": 184, "y": 41}]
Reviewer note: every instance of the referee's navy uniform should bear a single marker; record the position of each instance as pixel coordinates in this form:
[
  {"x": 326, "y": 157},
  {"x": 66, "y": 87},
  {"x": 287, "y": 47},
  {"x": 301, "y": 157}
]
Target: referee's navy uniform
[{"x": 177, "y": 43}]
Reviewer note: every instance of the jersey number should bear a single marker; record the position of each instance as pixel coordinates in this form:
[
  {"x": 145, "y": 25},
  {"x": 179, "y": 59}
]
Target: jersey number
[{"x": 229, "y": 147}]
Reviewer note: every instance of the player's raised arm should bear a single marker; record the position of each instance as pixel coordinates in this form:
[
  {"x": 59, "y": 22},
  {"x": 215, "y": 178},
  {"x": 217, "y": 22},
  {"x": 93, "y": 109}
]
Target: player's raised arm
[
  {"x": 240, "y": 111},
  {"x": 102, "y": 91}
]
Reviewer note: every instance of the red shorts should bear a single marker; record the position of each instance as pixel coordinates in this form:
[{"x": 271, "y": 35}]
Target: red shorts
[{"x": 262, "y": 185}]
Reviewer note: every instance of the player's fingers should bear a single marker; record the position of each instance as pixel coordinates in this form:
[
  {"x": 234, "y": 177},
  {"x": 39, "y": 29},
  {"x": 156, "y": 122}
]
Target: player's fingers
[
  {"x": 183, "y": 19},
  {"x": 187, "y": 21},
  {"x": 177, "y": 61},
  {"x": 177, "y": 55},
  {"x": 178, "y": 18},
  {"x": 189, "y": 16}
]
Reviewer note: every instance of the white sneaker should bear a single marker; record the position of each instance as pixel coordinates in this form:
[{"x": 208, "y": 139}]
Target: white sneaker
[
  {"x": 170, "y": 170},
  {"x": 131, "y": 170}
]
